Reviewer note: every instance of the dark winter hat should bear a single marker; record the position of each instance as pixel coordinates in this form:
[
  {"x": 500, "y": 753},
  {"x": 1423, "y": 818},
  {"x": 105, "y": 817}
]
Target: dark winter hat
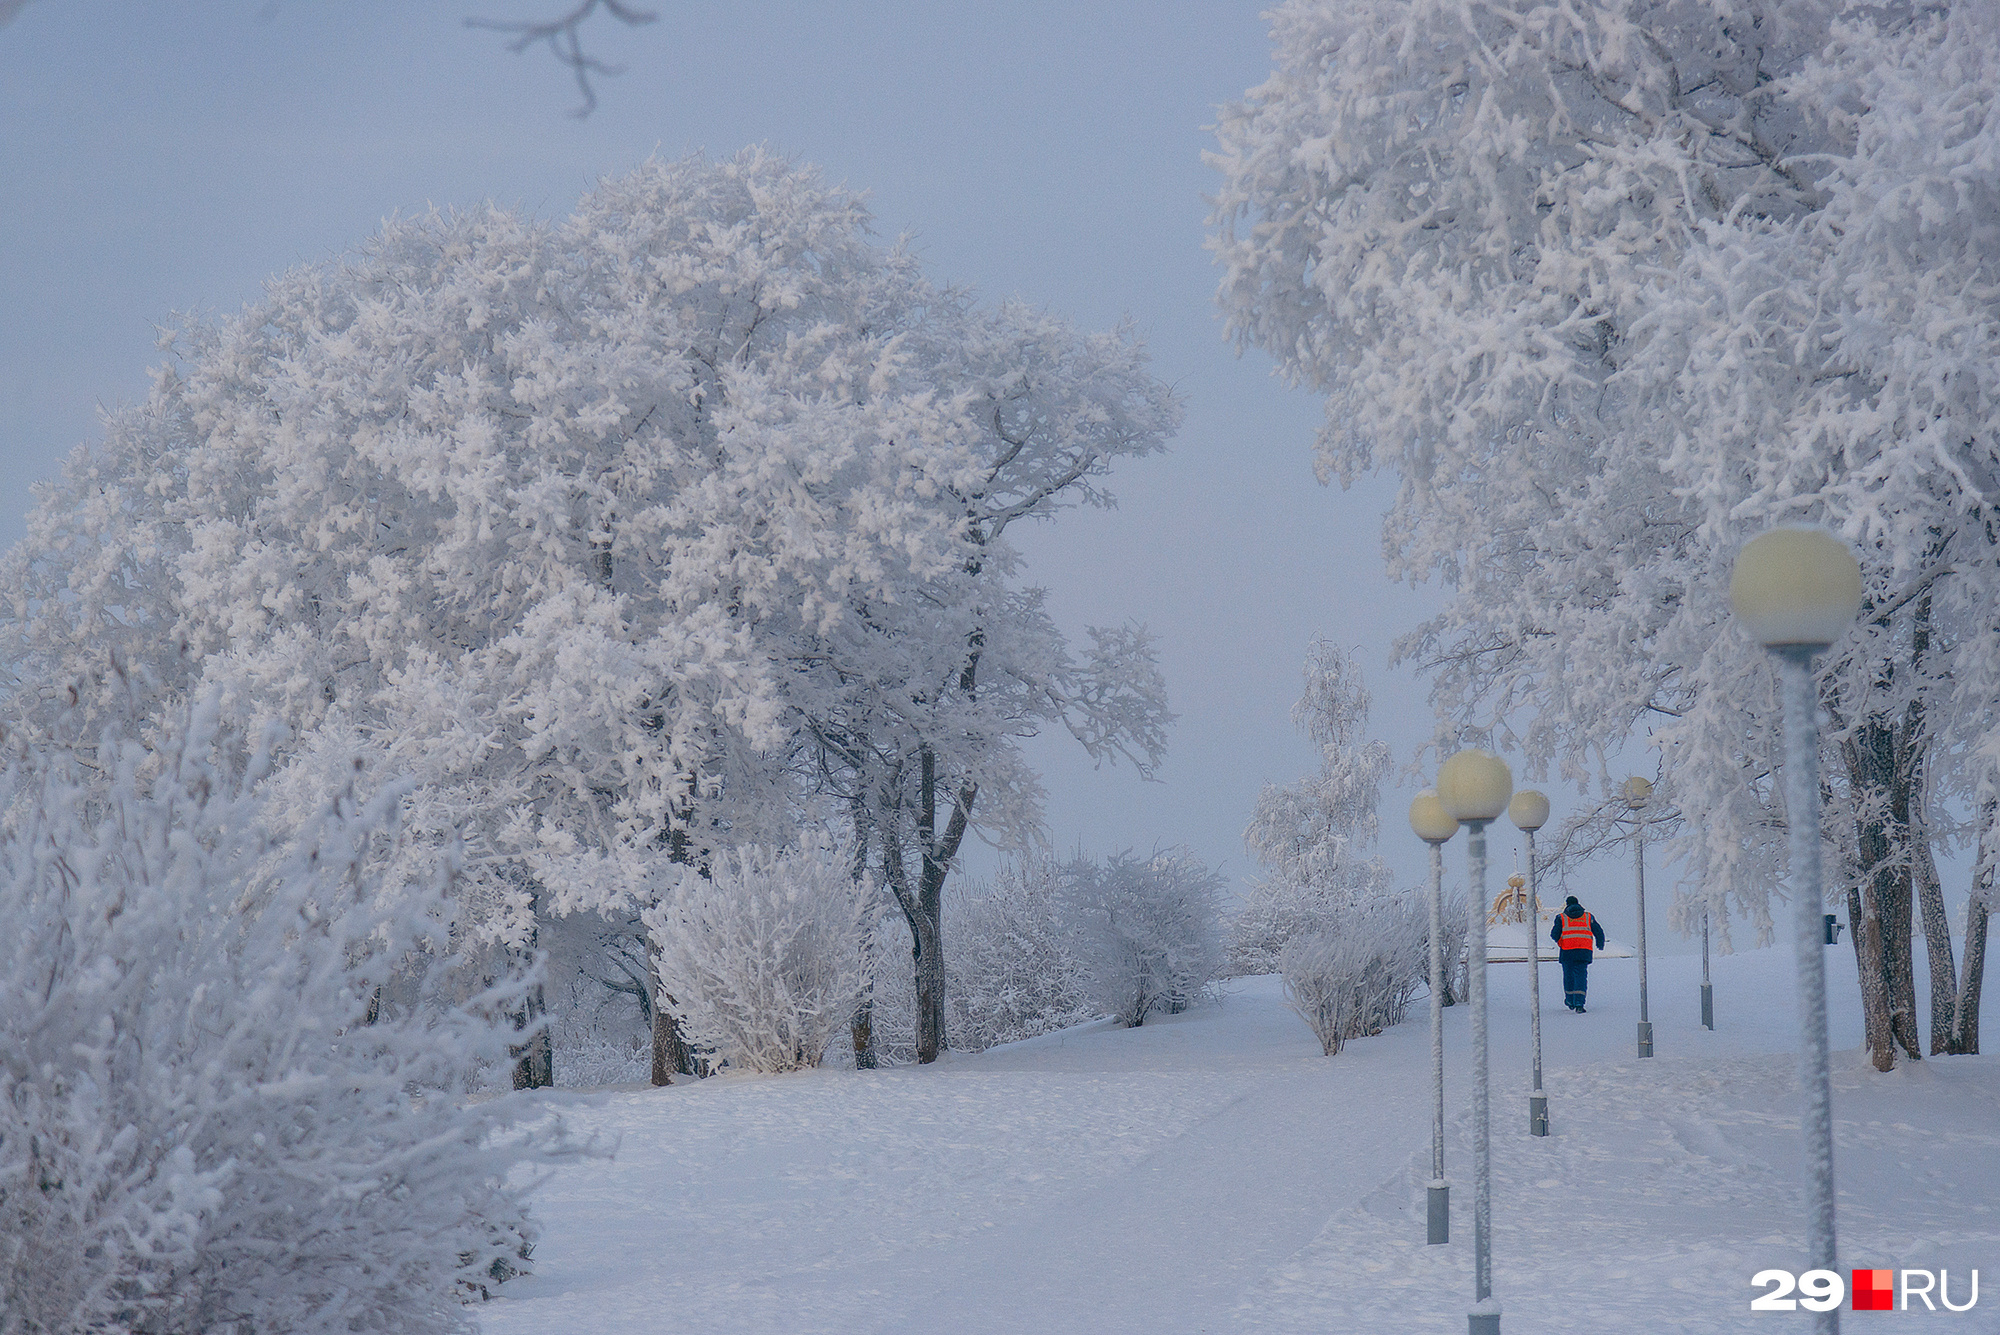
[{"x": 1571, "y": 905}]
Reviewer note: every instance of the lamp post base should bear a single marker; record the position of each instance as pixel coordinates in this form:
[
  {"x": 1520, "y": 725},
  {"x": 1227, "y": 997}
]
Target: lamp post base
[
  {"x": 1538, "y": 1114},
  {"x": 1438, "y": 1216},
  {"x": 1482, "y": 1323},
  {"x": 1707, "y": 1006},
  {"x": 1645, "y": 1038}
]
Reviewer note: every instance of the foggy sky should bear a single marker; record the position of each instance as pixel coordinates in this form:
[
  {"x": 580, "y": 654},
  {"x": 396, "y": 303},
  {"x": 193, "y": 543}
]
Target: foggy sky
[{"x": 160, "y": 158}]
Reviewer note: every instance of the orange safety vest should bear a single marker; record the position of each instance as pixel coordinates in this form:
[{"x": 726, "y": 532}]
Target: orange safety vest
[{"x": 1576, "y": 934}]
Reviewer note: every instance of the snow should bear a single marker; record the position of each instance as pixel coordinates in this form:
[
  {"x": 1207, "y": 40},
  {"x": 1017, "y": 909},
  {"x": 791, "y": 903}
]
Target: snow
[{"x": 1212, "y": 1172}]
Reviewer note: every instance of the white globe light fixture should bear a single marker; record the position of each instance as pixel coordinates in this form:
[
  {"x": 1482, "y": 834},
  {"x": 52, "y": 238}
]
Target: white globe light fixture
[
  {"x": 1530, "y": 812},
  {"x": 1795, "y": 587},
  {"x": 1434, "y": 825},
  {"x": 1429, "y": 820},
  {"x": 1796, "y": 591},
  {"x": 1473, "y": 787}
]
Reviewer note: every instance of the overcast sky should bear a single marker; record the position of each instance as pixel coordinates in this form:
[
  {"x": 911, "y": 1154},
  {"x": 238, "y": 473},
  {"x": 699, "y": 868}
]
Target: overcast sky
[{"x": 164, "y": 157}]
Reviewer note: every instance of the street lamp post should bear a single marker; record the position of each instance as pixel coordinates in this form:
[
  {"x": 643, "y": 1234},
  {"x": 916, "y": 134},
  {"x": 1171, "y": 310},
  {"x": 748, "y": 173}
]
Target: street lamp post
[
  {"x": 1473, "y": 787},
  {"x": 1637, "y": 793},
  {"x": 1707, "y": 992},
  {"x": 1530, "y": 812},
  {"x": 1434, "y": 826},
  {"x": 1796, "y": 591}
]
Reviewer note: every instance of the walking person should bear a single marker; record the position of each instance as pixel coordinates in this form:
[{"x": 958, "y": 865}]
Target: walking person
[{"x": 1577, "y": 936}]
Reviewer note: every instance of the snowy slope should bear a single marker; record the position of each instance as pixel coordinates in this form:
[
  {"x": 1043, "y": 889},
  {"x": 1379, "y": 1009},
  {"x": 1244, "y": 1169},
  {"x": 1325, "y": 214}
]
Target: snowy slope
[{"x": 1212, "y": 1172}]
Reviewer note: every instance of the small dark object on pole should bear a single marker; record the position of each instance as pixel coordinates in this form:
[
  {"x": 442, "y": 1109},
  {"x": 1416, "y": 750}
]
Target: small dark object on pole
[{"x": 1832, "y": 931}]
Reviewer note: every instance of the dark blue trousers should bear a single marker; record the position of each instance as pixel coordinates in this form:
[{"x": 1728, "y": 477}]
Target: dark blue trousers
[{"x": 1576, "y": 976}]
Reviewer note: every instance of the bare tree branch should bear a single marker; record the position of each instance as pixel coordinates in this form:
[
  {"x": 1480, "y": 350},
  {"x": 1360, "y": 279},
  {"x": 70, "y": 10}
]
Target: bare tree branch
[{"x": 563, "y": 36}]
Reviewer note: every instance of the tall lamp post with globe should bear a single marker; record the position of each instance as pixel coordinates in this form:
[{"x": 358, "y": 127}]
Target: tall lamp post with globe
[
  {"x": 1474, "y": 786},
  {"x": 1530, "y": 812},
  {"x": 1796, "y": 590},
  {"x": 1434, "y": 826},
  {"x": 1637, "y": 793}
]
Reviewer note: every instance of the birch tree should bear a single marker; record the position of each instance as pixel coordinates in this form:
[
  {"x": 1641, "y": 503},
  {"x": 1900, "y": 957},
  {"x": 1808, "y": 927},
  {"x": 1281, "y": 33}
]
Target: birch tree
[{"x": 1312, "y": 836}]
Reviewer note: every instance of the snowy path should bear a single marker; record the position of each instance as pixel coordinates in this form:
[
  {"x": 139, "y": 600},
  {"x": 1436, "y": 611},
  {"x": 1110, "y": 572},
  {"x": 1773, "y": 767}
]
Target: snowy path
[
  {"x": 1200, "y": 1217},
  {"x": 1211, "y": 1172},
  {"x": 1023, "y": 1189}
]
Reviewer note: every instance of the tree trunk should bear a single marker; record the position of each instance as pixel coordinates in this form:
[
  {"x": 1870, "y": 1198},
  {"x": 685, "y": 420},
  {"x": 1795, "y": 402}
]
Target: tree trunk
[
  {"x": 929, "y": 959},
  {"x": 534, "y": 1060},
  {"x": 863, "y": 1027},
  {"x": 1865, "y": 932},
  {"x": 1965, "y": 1018},
  {"x": 863, "y": 1032},
  {"x": 1937, "y": 940},
  {"x": 670, "y": 1051},
  {"x": 1870, "y": 757},
  {"x": 1978, "y": 907},
  {"x": 1898, "y": 960}
]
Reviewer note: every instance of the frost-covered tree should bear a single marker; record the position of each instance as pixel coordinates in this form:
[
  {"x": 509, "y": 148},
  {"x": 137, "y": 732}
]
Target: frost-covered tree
[
  {"x": 623, "y": 536},
  {"x": 1611, "y": 287},
  {"x": 1149, "y": 931},
  {"x": 915, "y": 705},
  {"x": 1310, "y": 835},
  {"x": 230, "y": 1090}
]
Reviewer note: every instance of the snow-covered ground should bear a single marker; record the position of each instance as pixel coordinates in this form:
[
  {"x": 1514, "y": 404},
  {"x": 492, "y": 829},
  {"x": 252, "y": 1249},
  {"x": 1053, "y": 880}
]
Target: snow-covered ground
[{"x": 1212, "y": 1172}]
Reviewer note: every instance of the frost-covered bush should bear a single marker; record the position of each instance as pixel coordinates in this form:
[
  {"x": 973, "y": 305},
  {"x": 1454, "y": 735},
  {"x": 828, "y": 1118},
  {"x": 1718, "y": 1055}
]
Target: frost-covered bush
[
  {"x": 228, "y": 1080},
  {"x": 1284, "y": 905},
  {"x": 1149, "y": 932},
  {"x": 1013, "y": 969},
  {"x": 764, "y": 961},
  {"x": 1355, "y": 974}
]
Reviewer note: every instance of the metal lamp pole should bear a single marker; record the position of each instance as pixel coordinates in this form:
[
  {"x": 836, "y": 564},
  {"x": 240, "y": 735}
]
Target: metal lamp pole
[
  {"x": 1530, "y": 812},
  {"x": 1796, "y": 591},
  {"x": 1474, "y": 787},
  {"x": 1637, "y": 792},
  {"x": 1707, "y": 992},
  {"x": 1434, "y": 826}
]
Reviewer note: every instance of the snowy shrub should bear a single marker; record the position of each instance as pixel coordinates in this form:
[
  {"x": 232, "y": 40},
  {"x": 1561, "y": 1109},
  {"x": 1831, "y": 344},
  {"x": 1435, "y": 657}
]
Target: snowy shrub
[
  {"x": 228, "y": 1082},
  {"x": 1012, "y": 968},
  {"x": 764, "y": 961},
  {"x": 1283, "y": 906},
  {"x": 1149, "y": 933},
  {"x": 1356, "y": 974}
]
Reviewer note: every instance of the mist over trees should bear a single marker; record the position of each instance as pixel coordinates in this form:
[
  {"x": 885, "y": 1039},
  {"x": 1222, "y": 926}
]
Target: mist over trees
[{"x": 1612, "y": 288}]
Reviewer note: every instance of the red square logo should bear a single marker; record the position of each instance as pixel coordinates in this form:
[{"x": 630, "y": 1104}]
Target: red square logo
[{"x": 1874, "y": 1290}]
